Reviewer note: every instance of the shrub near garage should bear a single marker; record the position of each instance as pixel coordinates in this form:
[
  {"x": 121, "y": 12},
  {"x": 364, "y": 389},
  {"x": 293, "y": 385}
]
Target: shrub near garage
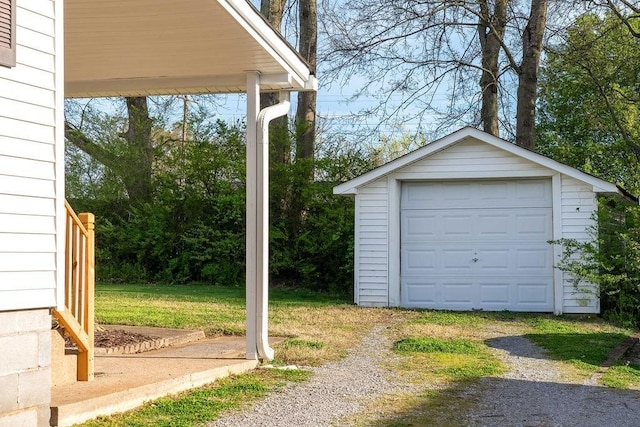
[{"x": 611, "y": 261}]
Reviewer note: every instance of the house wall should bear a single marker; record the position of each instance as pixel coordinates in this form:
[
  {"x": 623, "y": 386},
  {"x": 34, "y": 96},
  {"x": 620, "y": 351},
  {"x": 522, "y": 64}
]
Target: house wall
[
  {"x": 578, "y": 206},
  {"x": 31, "y": 193},
  {"x": 372, "y": 245},
  {"x": 27, "y": 163},
  {"x": 377, "y": 211}
]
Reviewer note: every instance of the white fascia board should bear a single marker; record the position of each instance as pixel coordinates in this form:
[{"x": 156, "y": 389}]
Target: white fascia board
[
  {"x": 246, "y": 15},
  {"x": 350, "y": 187}
]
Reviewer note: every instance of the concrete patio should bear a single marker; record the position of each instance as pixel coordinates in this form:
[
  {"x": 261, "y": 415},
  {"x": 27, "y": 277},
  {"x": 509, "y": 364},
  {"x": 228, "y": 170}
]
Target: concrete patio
[{"x": 125, "y": 381}]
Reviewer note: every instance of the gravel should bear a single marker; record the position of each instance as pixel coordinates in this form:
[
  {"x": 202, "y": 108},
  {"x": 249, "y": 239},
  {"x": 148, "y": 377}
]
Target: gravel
[
  {"x": 337, "y": 390},
  {"x": 534, "y": 392}
]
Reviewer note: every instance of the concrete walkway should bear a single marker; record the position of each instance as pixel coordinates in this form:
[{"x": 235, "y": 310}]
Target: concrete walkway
[{"x": 125, "y": 381}]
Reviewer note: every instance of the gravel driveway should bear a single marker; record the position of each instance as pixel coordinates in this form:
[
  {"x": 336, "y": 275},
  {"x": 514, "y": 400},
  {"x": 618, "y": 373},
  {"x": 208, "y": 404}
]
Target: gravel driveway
[{"x": 534, "y": 392}]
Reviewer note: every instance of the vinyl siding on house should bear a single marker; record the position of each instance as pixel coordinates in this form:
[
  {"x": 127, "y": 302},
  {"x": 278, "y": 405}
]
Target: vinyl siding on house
[
  {"x": 470, "y": 159},
  {"x": 28, "y": 163},
  {"x": 372, "y": 245},
  {"x": 578, "y": 206}
]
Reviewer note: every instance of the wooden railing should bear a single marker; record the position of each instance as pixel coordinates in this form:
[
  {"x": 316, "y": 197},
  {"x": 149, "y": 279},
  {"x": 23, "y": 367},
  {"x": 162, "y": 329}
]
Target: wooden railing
[{"x": 77, "y": 318}]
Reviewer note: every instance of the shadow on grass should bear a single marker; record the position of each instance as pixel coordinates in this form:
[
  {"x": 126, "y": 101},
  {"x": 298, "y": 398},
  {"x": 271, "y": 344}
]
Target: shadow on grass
[
  {"x": 592, "y": 348},
  {"x": 512, "y": 402}
]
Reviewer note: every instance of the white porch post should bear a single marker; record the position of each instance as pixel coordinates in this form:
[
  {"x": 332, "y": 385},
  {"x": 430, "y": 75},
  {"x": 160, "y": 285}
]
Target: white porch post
[{"x": 252, "y": 187}]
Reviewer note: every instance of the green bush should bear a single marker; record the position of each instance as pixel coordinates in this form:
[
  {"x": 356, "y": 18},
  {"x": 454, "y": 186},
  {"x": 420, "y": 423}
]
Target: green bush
[
  {"x": 611, "y": 261},
  {"x": 193, "y": 228}
]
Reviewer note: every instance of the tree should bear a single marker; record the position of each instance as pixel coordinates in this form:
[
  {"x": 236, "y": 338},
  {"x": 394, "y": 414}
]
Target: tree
[
  {"x": 627, "y": 12},
  {"x": 590, "y": 100},
  {"x": 528, "y": 74},
  {"x": 414, "y": 48},
  {"x": 280, "y": 153},
  {"x": 132, "y": 161},
  {"x": 306, "y": 109}
]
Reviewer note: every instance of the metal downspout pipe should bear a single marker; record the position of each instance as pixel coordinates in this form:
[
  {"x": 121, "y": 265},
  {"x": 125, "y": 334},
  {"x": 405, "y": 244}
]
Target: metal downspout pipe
[
  {"x": 257, "y": 257},
  {"x": 262, "y": 301}
]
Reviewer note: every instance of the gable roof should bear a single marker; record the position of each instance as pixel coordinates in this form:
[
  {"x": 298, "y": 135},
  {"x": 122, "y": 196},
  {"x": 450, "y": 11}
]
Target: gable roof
[
  {"x": 469, "y": 133},
  {"x": 154, "y": 47}
]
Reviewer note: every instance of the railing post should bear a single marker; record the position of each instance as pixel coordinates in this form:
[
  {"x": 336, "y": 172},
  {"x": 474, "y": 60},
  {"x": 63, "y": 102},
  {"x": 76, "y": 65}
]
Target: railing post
[{"x": 85, "y": 358}]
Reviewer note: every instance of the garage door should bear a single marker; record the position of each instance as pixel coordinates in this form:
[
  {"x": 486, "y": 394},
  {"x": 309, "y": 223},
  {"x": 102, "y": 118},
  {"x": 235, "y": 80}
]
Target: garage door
[{"x": 477, "y": 245}]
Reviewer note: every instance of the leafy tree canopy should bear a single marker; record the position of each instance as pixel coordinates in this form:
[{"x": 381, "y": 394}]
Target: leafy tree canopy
[{"x": 590, "y": 101}]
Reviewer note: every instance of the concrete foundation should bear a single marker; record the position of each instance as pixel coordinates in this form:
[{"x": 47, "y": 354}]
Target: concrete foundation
[{"x": 25, "y": 367}]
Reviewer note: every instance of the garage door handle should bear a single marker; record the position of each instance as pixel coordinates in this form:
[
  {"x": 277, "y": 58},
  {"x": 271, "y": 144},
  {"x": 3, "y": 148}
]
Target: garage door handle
[{"x": 475, "y": 260}]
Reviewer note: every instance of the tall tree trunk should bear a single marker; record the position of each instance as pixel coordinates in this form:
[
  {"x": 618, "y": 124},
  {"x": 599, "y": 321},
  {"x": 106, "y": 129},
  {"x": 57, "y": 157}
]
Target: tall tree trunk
[
  {"x": 528, "y": 74},
  {"x": 138, "y": 136},
  {"x": 134, "y": 167},
  {"x": 305, "y": 116},
  {"x": 280, "y": 152},
  {"x": 491, "y": 29},
  {"x": 306, "y": 110}
]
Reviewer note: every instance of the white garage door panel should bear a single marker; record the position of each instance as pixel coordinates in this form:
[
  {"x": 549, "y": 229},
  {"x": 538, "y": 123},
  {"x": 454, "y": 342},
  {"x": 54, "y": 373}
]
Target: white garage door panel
[
  {"x": 479, "y": 194},
  {"x": 477, "y": 225},
  {"x": 477, "y": 245},
  {"x": 448, "y": 259},
  {"x": 523, "y": 294}
]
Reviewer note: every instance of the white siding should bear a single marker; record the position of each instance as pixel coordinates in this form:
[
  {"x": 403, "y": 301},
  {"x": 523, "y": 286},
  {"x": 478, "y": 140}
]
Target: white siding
[
  {"x": 471, "y": 159},
  {"x": 28, "y": 162},
  {"x": 372, "y": 245},
  {"x": 578, "y": 206},
  {"x": 468, "y": 159}
]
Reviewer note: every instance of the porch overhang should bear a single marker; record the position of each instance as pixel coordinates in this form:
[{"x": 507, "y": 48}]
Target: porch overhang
[
  {"x": 163, "y": 47},
  {"x": 156, "y": 47}
]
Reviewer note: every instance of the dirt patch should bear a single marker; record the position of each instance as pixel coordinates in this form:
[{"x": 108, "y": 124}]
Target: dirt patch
[
  {"x": 118, "y": 337},
  {"x": 632, "y": 355},
  {"x": 108, "y": 338}
]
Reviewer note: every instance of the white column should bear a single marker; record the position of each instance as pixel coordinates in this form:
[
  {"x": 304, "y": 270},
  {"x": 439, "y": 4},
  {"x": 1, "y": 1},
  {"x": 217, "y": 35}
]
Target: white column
[{"x": 253, "y": 108}]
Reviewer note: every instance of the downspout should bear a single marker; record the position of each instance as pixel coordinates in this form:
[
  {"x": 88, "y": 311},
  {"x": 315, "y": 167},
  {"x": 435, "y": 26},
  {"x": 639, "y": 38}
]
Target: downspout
[{"x": 262, "y": 289}]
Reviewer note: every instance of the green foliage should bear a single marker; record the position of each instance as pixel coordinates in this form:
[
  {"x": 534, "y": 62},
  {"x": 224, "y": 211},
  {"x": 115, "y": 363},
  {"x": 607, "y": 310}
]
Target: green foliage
[
  {"x": 193, "y": 227},
  {"x": 589, "y": 108},
  {"x": 622, "y": 376},
  {"x": 434, "y": 345},
  {"x": 316, "y": 345},
  {"x": 611, "y": 261}
]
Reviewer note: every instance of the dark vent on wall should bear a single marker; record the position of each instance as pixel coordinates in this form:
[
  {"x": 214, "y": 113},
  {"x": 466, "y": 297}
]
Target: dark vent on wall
[{"x": 7, "y": 32}]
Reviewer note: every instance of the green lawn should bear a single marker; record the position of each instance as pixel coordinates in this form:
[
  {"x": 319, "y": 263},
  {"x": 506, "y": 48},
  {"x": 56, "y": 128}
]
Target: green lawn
[
  {"x": 216, "y": 309},
  {"x": 442, "y": 351}
]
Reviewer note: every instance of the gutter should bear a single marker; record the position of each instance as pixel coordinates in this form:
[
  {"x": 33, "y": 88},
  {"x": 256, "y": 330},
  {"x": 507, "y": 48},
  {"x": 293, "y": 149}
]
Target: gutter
[{"x": 262, "y": 289}]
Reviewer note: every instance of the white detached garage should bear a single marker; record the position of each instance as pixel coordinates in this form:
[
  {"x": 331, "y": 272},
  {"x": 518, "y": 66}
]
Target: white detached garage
[{"x": 464, "y": 223}]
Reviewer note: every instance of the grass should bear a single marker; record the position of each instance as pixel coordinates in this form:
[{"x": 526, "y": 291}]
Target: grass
[
  {"x": 206, "y": 403},
  {"x": 440, "y": 352},
  {"x": 446, "y": 352},
  {"x": 317, "y": 327},
  {"x": 622, "y": 376},
  {"x": 435, "y": 345},
  {"x": 584, "y": 344},
  {"x": 216, "y": 309}
]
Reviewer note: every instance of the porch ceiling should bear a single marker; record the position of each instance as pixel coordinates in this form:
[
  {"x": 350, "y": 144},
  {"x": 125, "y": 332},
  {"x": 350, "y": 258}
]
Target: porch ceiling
[{"x": 151, "y": 47}]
